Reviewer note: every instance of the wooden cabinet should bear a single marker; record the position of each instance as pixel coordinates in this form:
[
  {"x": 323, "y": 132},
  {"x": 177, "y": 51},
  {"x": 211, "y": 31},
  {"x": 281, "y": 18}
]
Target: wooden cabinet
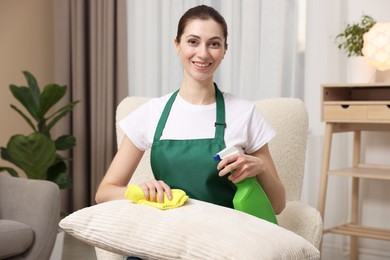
[{"x": 354, "y": 108}]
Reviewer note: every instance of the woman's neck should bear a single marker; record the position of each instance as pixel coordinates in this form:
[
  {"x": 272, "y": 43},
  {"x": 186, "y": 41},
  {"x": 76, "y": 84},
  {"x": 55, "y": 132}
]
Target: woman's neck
[{"x": 198, "y": 93}]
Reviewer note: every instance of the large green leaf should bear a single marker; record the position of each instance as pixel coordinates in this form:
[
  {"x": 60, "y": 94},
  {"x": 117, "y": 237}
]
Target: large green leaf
[
  {"x": 62, "y": 179},
  {"x": 65, "y": 142},
  {"x": 51, "y": 94},
  {"x": 57, "y": 174},
  {"x": 33, "y": 86},
  {"x": 4, "y": 154},
  {"x": 34, "y": 154},
  {"x": 60, "y": 113},
  {"x": 28, "y": 120},
  {"x": 25, "y": 97},
  {"x": 11, "y": 171}
]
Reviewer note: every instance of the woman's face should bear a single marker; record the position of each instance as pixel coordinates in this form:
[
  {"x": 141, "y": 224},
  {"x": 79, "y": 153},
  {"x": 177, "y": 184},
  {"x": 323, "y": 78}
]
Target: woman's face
[{"x": 201, "y": 49}]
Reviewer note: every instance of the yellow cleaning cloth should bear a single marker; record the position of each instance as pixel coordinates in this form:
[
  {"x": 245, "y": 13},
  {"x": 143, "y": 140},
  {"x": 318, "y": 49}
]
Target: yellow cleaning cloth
[{"x": 136, "y": 195}]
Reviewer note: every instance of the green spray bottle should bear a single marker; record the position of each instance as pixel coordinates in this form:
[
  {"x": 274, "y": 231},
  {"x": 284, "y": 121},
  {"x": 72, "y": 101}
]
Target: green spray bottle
[{"x": 249, "y": 197}]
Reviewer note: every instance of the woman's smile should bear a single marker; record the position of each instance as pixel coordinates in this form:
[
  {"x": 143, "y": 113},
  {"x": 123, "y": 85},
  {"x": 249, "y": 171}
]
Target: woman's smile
[{"x": 201, "y": 65}]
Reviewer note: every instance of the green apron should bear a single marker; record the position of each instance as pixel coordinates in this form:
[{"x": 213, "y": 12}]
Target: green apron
[{"x": 189, "y": 164}]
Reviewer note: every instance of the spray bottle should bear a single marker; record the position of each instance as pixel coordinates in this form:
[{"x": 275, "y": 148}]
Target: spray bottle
[{"x": 249, "y": 197}]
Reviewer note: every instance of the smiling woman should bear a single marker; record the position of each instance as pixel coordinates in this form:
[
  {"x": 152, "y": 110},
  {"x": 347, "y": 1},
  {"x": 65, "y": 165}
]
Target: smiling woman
[{"x": 180, "y": 157}]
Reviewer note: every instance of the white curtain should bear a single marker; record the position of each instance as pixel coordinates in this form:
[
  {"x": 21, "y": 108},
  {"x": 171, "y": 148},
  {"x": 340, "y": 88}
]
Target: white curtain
[{"x": 263, "y": 59}]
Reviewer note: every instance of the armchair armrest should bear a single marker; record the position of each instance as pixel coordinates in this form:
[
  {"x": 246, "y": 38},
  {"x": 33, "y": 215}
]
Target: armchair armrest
[
  {"x": 35, "y": 203},
  {"x": 303, "y": 220}
]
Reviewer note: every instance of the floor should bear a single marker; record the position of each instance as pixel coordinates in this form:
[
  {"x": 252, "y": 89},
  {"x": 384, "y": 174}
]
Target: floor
[{"x": 75, "y": 249}]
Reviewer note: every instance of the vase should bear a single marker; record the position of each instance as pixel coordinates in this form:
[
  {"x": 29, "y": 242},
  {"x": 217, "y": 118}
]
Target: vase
[{"x": 359, "y": 71}]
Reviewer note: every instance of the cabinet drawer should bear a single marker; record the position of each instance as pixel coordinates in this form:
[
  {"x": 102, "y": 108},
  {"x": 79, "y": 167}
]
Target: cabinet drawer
[
  {"x": 345, "y": 112},
  {"x": 379, "y": 112}
]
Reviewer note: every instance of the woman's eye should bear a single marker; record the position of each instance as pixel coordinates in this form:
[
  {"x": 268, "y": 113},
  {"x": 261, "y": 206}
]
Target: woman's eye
[
  {"x": 215, "y": 44},
  {"x": 192, "y": 42}
]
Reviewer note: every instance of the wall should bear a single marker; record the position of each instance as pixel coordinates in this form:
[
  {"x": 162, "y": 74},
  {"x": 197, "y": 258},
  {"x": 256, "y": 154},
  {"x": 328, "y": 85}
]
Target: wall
[{"x": 26, "y": 43}]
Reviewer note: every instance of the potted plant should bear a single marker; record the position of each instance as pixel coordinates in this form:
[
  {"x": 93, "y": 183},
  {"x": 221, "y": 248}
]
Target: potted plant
[
  {"x": 351, "y": 38},
  {"x": 38, "y": 154}
]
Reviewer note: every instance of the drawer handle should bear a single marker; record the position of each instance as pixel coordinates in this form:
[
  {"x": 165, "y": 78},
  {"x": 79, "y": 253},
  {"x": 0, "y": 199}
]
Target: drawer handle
[
  {"x": 345, "y": 106},
  {"x": 388, "y": 106}
]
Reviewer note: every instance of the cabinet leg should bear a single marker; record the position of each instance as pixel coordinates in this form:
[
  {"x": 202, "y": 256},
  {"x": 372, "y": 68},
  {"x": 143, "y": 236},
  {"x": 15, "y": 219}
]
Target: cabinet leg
[
  {"x": 325, "y": 168},
  {"x": 354, "y": 254}
]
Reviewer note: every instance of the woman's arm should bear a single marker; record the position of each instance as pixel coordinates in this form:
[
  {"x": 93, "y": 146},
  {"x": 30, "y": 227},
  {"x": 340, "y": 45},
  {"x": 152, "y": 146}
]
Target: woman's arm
[
  {"x": 260, "y": 165},
  {"x": 114, "y": 183}
]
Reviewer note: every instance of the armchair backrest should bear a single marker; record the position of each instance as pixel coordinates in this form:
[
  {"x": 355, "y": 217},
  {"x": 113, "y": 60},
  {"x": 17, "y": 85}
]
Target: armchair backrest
[
  {"x": 125, "y": 107},
  {"x": 288, "y": 148},
  {"x": 289, "y": 118}
]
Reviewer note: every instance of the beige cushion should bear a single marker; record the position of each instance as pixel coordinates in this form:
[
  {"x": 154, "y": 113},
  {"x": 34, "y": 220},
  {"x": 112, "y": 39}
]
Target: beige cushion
[{"x": 198, "y": 230}]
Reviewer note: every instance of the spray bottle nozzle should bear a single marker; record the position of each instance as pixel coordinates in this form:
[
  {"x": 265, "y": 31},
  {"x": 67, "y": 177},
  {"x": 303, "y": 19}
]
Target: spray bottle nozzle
[{"x": 225, "y": 153}]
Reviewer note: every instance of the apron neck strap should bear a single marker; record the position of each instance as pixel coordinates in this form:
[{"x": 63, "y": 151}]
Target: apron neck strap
[
  {"x": 164, "y": 117},
  {"x": 219, "y": 124}
]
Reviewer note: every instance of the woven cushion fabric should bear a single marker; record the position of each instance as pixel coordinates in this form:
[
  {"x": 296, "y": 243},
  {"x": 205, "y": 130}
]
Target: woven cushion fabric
[
  {"x": 15, "y": 238},
  {"x": 197, "y": 230}
]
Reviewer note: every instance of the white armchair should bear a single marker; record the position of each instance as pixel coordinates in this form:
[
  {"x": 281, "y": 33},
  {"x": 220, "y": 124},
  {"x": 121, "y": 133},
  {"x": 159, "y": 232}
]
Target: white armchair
[{"x": 289, "y": 118}]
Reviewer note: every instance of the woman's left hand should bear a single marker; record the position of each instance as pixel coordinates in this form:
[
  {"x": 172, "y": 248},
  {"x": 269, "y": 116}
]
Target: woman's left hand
[
  {"x": 260, "y": 165},
  {"x": 241, "y": 166}
]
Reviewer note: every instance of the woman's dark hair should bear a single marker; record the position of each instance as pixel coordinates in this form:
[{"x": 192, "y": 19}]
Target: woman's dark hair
[{"x": 202, "y": 12}]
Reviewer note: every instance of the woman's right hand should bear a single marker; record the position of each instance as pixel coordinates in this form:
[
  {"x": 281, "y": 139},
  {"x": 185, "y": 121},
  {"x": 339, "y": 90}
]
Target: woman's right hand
[{"x": 154, "y": 190}]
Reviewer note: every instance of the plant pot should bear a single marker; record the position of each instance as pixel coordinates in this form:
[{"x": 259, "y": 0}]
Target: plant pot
[
  {"x": 56, "y": 254},
  {"x": 359, "y": 71}
]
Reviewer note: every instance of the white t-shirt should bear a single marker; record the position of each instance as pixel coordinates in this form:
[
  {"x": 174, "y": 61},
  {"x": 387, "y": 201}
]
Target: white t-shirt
[{"x": 245, "y": 126}]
